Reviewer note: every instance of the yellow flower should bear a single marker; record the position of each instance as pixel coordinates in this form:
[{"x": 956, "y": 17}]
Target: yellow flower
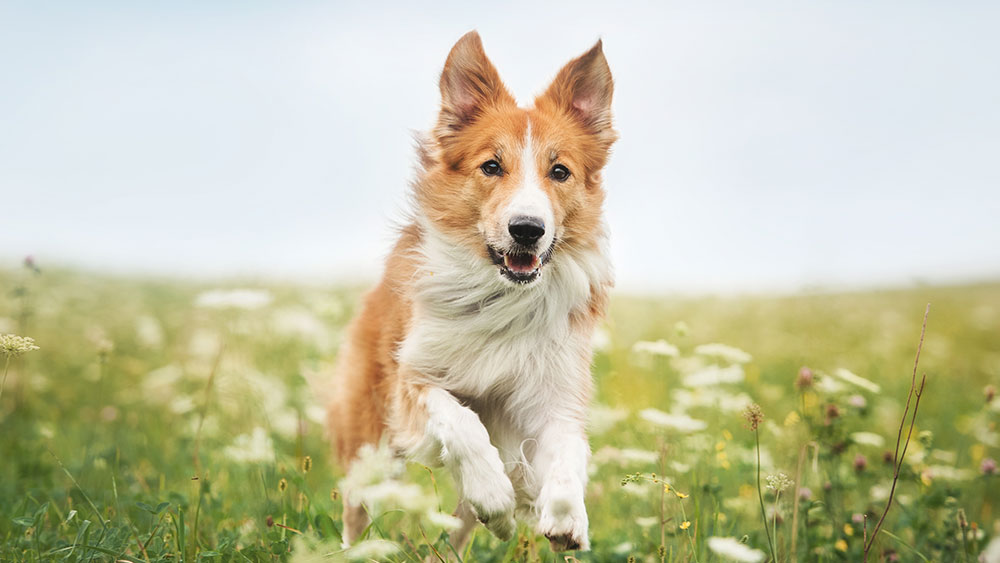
[
  {"x": 792, "y": 419},
  {"x": 685, "y": 525},
  {"x": 727, "y": 434},
  {"x": 841, "y": 544},
  {"x": 848, "y": 530},
  {"x": 666, "y": 488},
  {"x": 720, "y": 446},
  {"x": 680, "y": 494}
]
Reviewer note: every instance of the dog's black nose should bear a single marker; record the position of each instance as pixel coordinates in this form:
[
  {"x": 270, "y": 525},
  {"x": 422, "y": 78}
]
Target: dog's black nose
[{"x": 526, "y": 230}]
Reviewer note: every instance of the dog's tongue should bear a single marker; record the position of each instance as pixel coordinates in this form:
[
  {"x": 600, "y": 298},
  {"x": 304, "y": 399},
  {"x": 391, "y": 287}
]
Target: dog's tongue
[{"x": 520, "y": 263}]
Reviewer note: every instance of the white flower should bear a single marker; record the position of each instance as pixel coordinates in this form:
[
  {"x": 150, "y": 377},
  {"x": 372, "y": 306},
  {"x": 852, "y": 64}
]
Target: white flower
[
  {"x": 868, "y": 439},
  {"x": 600, "y": 340},
  {"x": 714, "y": 375},
  {"x": 778, "y": 482},
  {"x": 857, "y": 380},
  {"x": 627, "y": 456},
  {"x": 733, "y": 550},
  {"x": 647, "y": 521},
  {"x": 253, "y": 448},
  {"x": 234, "y": 299},
  {"x": 12, "y": 345},
  {"x": 657, "y": 348},
  {"x": 710, "y": 397},
  {"x": 603, "y": 418},
  {"x": 148, "y": 331},
  {"x": 442, "y": 520},
  {"x": 376, "y": 550},
  {"x": 949, "y": 473},
  {"x": 723, "y": 352},
  {"x": 678, "y": 422}
]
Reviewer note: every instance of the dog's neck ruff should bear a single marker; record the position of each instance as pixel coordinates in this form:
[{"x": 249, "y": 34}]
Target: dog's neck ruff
[{"x": 474, "y": 332}]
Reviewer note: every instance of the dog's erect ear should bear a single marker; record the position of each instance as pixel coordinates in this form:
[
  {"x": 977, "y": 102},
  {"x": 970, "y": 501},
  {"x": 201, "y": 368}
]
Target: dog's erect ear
[
  {"x": 583, "y": 88},
  {"x": 469, "y": 84}
]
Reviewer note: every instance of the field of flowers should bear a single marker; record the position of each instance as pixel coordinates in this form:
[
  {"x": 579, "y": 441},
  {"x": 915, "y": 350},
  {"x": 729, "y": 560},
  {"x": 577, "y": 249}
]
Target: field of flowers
[{"x": 182, "y": 421}]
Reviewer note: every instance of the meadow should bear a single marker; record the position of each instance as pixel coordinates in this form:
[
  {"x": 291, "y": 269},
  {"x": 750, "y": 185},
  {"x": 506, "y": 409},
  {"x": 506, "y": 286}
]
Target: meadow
[{"x": 167, "y": 420}]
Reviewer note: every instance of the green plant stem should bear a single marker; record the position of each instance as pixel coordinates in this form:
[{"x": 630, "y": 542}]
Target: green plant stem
[
  {"x": 6, "y": 364},
  {"x": 760, "y": 496}
]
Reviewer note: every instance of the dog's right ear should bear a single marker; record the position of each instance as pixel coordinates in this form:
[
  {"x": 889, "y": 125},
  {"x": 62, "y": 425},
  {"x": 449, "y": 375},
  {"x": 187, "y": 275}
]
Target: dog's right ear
[{"x": 469, "y": 84}]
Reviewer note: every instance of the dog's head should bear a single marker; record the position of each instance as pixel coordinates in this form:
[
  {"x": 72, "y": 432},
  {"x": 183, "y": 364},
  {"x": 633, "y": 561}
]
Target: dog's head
[{"x": 517, "y": 186}]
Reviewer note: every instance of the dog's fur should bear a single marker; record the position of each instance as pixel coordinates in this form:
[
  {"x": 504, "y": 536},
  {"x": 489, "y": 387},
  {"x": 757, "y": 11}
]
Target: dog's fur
[{"x": 474, "y": 350}]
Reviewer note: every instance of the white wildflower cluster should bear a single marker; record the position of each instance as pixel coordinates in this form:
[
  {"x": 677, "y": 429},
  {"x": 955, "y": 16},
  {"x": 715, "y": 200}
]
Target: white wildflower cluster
[
  {"x": 714, "y": 375},
  {"x": 603, "y": 418},
  {"x": 12, "y": 345},
  {"x": 857, "y": 380},
  {"x": 375, "y": 481},
  {"x": 247, "y": 299},
  {"x": 778, "y": 482},
  {"x": 732, "y": 549},
  {"x": 868, "y": 439},
  {"x": 255, "y": 447},
  {"x": 724, "y": 352},
  {"x": 676, "y": 422},
  {"x": 656, "y": 348}
]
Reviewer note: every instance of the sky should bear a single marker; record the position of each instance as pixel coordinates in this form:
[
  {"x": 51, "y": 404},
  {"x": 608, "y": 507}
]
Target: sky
[{"x": 764, "y": 146}]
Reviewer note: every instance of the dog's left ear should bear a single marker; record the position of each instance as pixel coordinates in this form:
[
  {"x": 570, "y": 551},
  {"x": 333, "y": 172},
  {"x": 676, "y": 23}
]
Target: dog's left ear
[{"x": 583, "y": 88}]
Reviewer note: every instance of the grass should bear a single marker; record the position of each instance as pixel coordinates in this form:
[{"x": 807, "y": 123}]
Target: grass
[{"x": 159, "y": 422}]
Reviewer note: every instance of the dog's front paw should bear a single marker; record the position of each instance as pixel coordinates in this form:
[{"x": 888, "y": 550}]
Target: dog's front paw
[
  {"x": 491, "y": 497},
  {"x": 563, "y": 518}
]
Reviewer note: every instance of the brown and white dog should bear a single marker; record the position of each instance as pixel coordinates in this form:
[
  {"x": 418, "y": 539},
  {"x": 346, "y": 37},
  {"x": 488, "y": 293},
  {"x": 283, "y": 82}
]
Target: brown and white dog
[{"x": 474, "y": 349}]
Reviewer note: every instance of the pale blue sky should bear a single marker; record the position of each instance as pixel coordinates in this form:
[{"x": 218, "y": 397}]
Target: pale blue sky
[{"x": 765, "y": 145}]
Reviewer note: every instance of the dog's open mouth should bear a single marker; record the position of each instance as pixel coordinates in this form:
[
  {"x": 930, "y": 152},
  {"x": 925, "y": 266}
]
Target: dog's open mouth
[{"x": 519, "y": 266}]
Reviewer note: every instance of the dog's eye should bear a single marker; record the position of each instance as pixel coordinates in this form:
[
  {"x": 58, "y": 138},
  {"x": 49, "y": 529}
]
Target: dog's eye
[
  {"x": 559, "y": 173},
  {"x": 491, "y": 168}
]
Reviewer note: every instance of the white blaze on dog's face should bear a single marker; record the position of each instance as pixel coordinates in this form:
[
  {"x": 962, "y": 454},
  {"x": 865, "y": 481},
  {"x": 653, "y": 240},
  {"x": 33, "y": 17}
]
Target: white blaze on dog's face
[{"x": 517, "y": 186}]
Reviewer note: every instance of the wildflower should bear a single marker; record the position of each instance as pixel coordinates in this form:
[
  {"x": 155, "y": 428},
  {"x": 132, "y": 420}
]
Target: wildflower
[
  {"x": 282, "y": 485},
  {"x": 729, "y": 354},
  {"x": 868, "y": 439},
  {"x": 12, "y": 345},
  {"x": 334, "y": 494},
  {"x": 988, "y": 467},
  {"x": 857, "y": 401},
  {"x": 681, "y": 328},
  {"x": 248, "y": 299},
  {"x": 989, "y": 392},
  {"x": 888, "y": 457},
  {"x": 307, "y": 463},
  {"x": 685, "y": 525},
  {"x": 661, "y": 551},
  {"x": 657, "y": 348},
  {"x": 377, "y": 550},
  {"x": 857, "y": 518},
  {"x": 792, "y": 419},
  {"x": 252, "y": 448},
  {"x": 848, "y": 530},
  {"x": 681, "y": 495},
  {"x": 832, "y": 413},
  {"x": 753, "y": 415},
  {"x": 860, "y": 463},
  {"x": 778, "y": 482},
  {"x": 678, "y": 422},
  {"x": 857, "y": 380},
  {"x": 269, "y": 521},
  {"x": 805, "y": 493},
  {"x": 841, "y": 544},
  {"x": 714, "y": 375},
  {"x": 732, "y": 549},
  {"x": 926, "y": 437},
  {"x": 631, "y": 559},
  {"x": 805, "y": 379}
]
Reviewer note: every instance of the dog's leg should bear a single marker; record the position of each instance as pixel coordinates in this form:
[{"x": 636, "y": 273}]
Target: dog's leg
[
  {"x": 561, "y": 465},
  {"x": 355, "y": 522},
  {"x": 459, "y": 538},
  {"x": 456, "y": 436}
]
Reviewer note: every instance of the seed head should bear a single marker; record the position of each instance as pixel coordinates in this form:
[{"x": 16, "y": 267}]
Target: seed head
[
  {"x": 282, "y": 485},
  {"x": 989, "y": 466},
  {"x": 805, "y": 379},
  {"x": 778, "y": 482},
  {"x": 307, "y": 463},
  {"x": 12, "y": 345},
  {"x": 860, "y": 463},
  {"x": 753, "y": 416}
]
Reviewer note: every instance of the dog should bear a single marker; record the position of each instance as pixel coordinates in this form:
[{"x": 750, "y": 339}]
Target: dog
[{"x": 474, "y": 350}]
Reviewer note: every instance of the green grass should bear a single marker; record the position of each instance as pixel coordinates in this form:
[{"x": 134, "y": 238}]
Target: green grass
[{"x": 149, "y": 428}]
